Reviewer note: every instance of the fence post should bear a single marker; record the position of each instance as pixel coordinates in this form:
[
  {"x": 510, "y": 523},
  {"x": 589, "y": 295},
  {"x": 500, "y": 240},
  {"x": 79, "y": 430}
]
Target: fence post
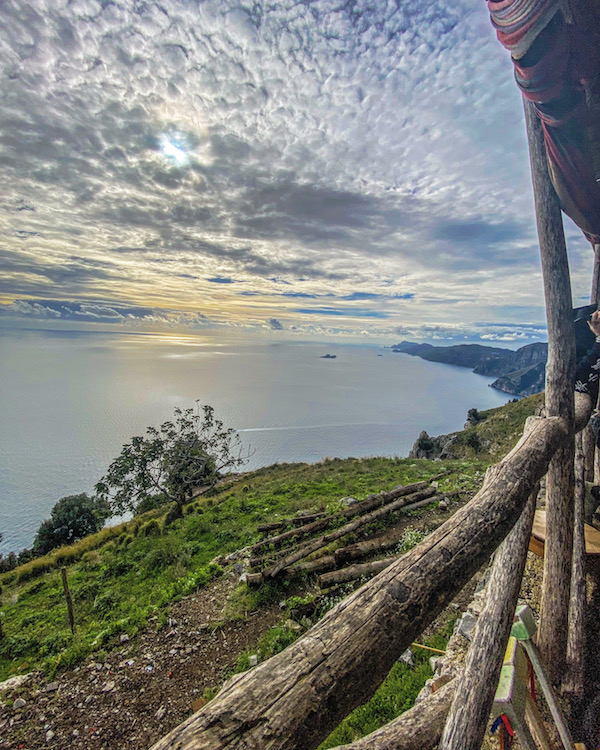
[
  {"x": 560, "y": 372},
  {"x": 475, "y": 688},
  {"x": 63, "y": 572}
]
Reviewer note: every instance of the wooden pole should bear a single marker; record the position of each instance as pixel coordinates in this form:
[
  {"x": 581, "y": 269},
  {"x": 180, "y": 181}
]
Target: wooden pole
[
  {"x": 476, "y": 686},
  {"x": 419, "y": 728},
  {"x": 560, "y": 372},
  {"x": 574, "y": 683},
  {"x": 594, "y": 298},
  {"x": 63, "y": 572},
  {"x": 293, "y": 700}
]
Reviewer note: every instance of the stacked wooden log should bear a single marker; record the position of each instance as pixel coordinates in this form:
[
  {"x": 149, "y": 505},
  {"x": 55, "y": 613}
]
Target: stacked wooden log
[{"x": 307, "y": 547}]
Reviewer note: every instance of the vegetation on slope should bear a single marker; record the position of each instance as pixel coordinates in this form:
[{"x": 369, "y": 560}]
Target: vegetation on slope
[{"x": 122, "y": 575}]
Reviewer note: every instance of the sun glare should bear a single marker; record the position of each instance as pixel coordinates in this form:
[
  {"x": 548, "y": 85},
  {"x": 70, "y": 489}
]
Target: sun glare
[{"x": 173, "y": 150}]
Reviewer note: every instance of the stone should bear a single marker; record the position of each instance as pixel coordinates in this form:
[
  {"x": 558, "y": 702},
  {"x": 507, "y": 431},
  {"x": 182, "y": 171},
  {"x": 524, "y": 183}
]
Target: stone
[
  {"x": 15, "y": 682},
  {"x": 443, "y": 505},
  {"x": 108, "y": 687},
  {"x": 123, "y": 638},
  {"x": 407, "y": 658},
  {"x": 19, "y": 703},
  {"x": 49, "y": 735},
  {"x": 161, "y": 713},
  {"x": 346, "y": 502},
  {"x": 293, "y": 626},
  {"x": 52, "y": 687},
  {"x": 433, "y": 662},
  {"x": 238, "y": 568},
  {"x": 466, "y": 625},
  {"x": 253, "y": 660}
]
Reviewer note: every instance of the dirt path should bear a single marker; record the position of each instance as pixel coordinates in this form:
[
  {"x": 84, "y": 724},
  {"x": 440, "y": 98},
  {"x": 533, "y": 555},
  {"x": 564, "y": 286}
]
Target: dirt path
[{"x": 144, "y": 688}]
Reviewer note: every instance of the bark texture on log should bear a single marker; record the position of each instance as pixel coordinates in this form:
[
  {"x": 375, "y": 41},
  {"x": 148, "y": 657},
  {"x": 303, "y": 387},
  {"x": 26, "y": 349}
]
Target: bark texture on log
[
  {"x": 419, "y": 728},
  {"x": 362, "y": 549},
  {"x": 594, "y": 296},
  {"x": 477, "y": 683},
  {"x": 370, "y": 502},
  {"x": 560, "y": 372},
  {"x": 352, "y": 572},
  {"x": 317, "y": 544},
  {"x": 574, "y": 682},
  {"x": 294, "y": 700}
]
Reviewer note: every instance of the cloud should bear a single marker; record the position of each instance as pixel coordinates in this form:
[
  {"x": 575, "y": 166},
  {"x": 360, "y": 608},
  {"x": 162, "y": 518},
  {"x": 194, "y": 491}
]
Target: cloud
[
  {"x": 168, "y": 152},
  {"x": 98, "y": 312},
  {"x": 275, "y": 325}
]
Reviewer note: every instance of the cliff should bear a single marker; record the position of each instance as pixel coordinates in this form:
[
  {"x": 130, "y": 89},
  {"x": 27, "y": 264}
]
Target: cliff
[{"x": 520, "y": 373}]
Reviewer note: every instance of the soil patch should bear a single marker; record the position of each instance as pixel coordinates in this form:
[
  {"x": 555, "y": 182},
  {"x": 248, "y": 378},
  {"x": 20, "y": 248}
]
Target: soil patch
[{"x": 142, "y": 689}]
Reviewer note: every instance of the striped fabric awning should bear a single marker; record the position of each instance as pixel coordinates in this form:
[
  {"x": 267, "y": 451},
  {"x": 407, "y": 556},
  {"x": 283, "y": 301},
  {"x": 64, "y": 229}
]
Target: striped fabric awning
[{"x": 557, "y": 64}]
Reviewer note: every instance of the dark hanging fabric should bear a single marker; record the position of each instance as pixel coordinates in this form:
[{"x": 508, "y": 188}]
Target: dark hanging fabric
[{"x": 554, "y": 63}]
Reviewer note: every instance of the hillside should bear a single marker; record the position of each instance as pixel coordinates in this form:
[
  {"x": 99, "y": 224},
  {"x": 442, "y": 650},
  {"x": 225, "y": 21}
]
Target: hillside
[
  {"x": 487, "y": 438},
  {"x": 520, "y": 372},
  {"x": 162, "y": 617}
]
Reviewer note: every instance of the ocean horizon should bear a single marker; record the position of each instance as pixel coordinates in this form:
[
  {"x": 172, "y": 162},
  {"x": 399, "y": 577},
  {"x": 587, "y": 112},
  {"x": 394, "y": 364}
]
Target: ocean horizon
[{"x": 69, "y": 400}]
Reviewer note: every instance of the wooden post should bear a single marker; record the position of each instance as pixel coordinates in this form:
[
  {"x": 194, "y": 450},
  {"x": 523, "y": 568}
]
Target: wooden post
[
  {"x": 560, "y": 372},
  {"x": 63, "y": 572},
  {"x": 574, "y": 683},
  {"x": 293, "y": 700},
  {"x": 594, "y": 298},
  {"x": 474, "y": 692}
]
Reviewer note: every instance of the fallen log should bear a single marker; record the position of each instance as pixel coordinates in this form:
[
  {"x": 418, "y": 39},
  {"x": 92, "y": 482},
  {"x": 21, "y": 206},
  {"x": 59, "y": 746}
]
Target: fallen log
[
  {"x": 345, "y": 555},
  {"x": 326, "y": 562},
  {"x": 294, "y": 700},
  {"x": 317, "y": 544},
  {"x": 295, "y": 521},
  {"x": 352, "y": 572},
  {"x": 271, "y": 526},
  {"x": 370, "y": 502},
  {"x": 419, "y": 728}
]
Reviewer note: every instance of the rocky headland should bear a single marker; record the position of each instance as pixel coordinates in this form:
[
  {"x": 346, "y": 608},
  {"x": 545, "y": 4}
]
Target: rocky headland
[{"x": 520, "y": 372}]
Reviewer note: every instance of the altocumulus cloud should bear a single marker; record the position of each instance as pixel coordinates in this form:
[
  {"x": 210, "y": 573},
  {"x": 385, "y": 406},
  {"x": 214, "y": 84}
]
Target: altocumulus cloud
[
  {"x": 171, "y": 150},
  {"x": 90, "y": 312}
]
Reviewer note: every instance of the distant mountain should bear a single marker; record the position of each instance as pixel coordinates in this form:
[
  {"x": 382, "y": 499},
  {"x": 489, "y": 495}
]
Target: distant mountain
[{"x": 520, "y": 373}]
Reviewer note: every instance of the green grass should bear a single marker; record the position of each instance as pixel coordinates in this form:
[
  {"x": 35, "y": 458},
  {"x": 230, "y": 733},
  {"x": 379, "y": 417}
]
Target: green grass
[
  {"x": 125, "y": 574},
  {"x": 395, "y": 695},
  {"x": 122, "y": 576},
  {"x": 498, "y": 433}
]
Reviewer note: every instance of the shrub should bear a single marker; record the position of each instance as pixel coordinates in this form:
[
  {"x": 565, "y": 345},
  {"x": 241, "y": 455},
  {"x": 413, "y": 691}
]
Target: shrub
[{"x": 72, "y": 518}]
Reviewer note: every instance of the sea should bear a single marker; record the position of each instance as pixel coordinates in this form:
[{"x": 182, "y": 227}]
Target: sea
[{"x": 69, "y": 400}]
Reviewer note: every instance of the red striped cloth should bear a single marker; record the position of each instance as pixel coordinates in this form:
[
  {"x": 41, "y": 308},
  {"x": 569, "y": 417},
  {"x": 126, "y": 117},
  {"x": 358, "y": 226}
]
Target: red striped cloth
[{"x": 553, "y": 62}]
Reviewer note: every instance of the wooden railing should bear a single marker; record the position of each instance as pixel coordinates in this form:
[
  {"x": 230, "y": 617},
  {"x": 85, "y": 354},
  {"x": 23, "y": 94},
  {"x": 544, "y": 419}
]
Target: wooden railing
[{"x": 296, "y": 698}]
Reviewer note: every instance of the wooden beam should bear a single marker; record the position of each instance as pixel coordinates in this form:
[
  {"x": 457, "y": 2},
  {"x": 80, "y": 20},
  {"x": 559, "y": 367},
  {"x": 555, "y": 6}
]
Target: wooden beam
[
  {"x": 296, "y": 698},
  {"x": 574, "y": 683},
  {"x": 560, "y": 372},
  {"x": 474, "y": 694},
  {"x": 419, "y": 728}
]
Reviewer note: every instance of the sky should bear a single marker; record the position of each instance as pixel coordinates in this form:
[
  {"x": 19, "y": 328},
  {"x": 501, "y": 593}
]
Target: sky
[{"x": 329, "y": 168}]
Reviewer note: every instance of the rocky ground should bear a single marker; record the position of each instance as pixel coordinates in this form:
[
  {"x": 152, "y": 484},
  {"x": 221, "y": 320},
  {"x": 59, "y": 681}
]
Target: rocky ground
[{"x": 142, "y": 689}]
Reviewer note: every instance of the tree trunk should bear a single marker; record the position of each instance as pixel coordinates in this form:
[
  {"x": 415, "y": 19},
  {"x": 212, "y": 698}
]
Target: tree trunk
[
  {"x": 560, "y": 372},
  {"x": 294, "y": 700},
  {"x": 477, "y": 684},
  {"x": 352, "y": 572},
  {"x": 317, "y": 544}
]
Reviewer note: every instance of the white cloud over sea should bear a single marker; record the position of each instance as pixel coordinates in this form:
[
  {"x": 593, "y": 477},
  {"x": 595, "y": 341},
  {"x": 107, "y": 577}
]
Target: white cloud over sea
[{"x": 308, "y": 168}]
